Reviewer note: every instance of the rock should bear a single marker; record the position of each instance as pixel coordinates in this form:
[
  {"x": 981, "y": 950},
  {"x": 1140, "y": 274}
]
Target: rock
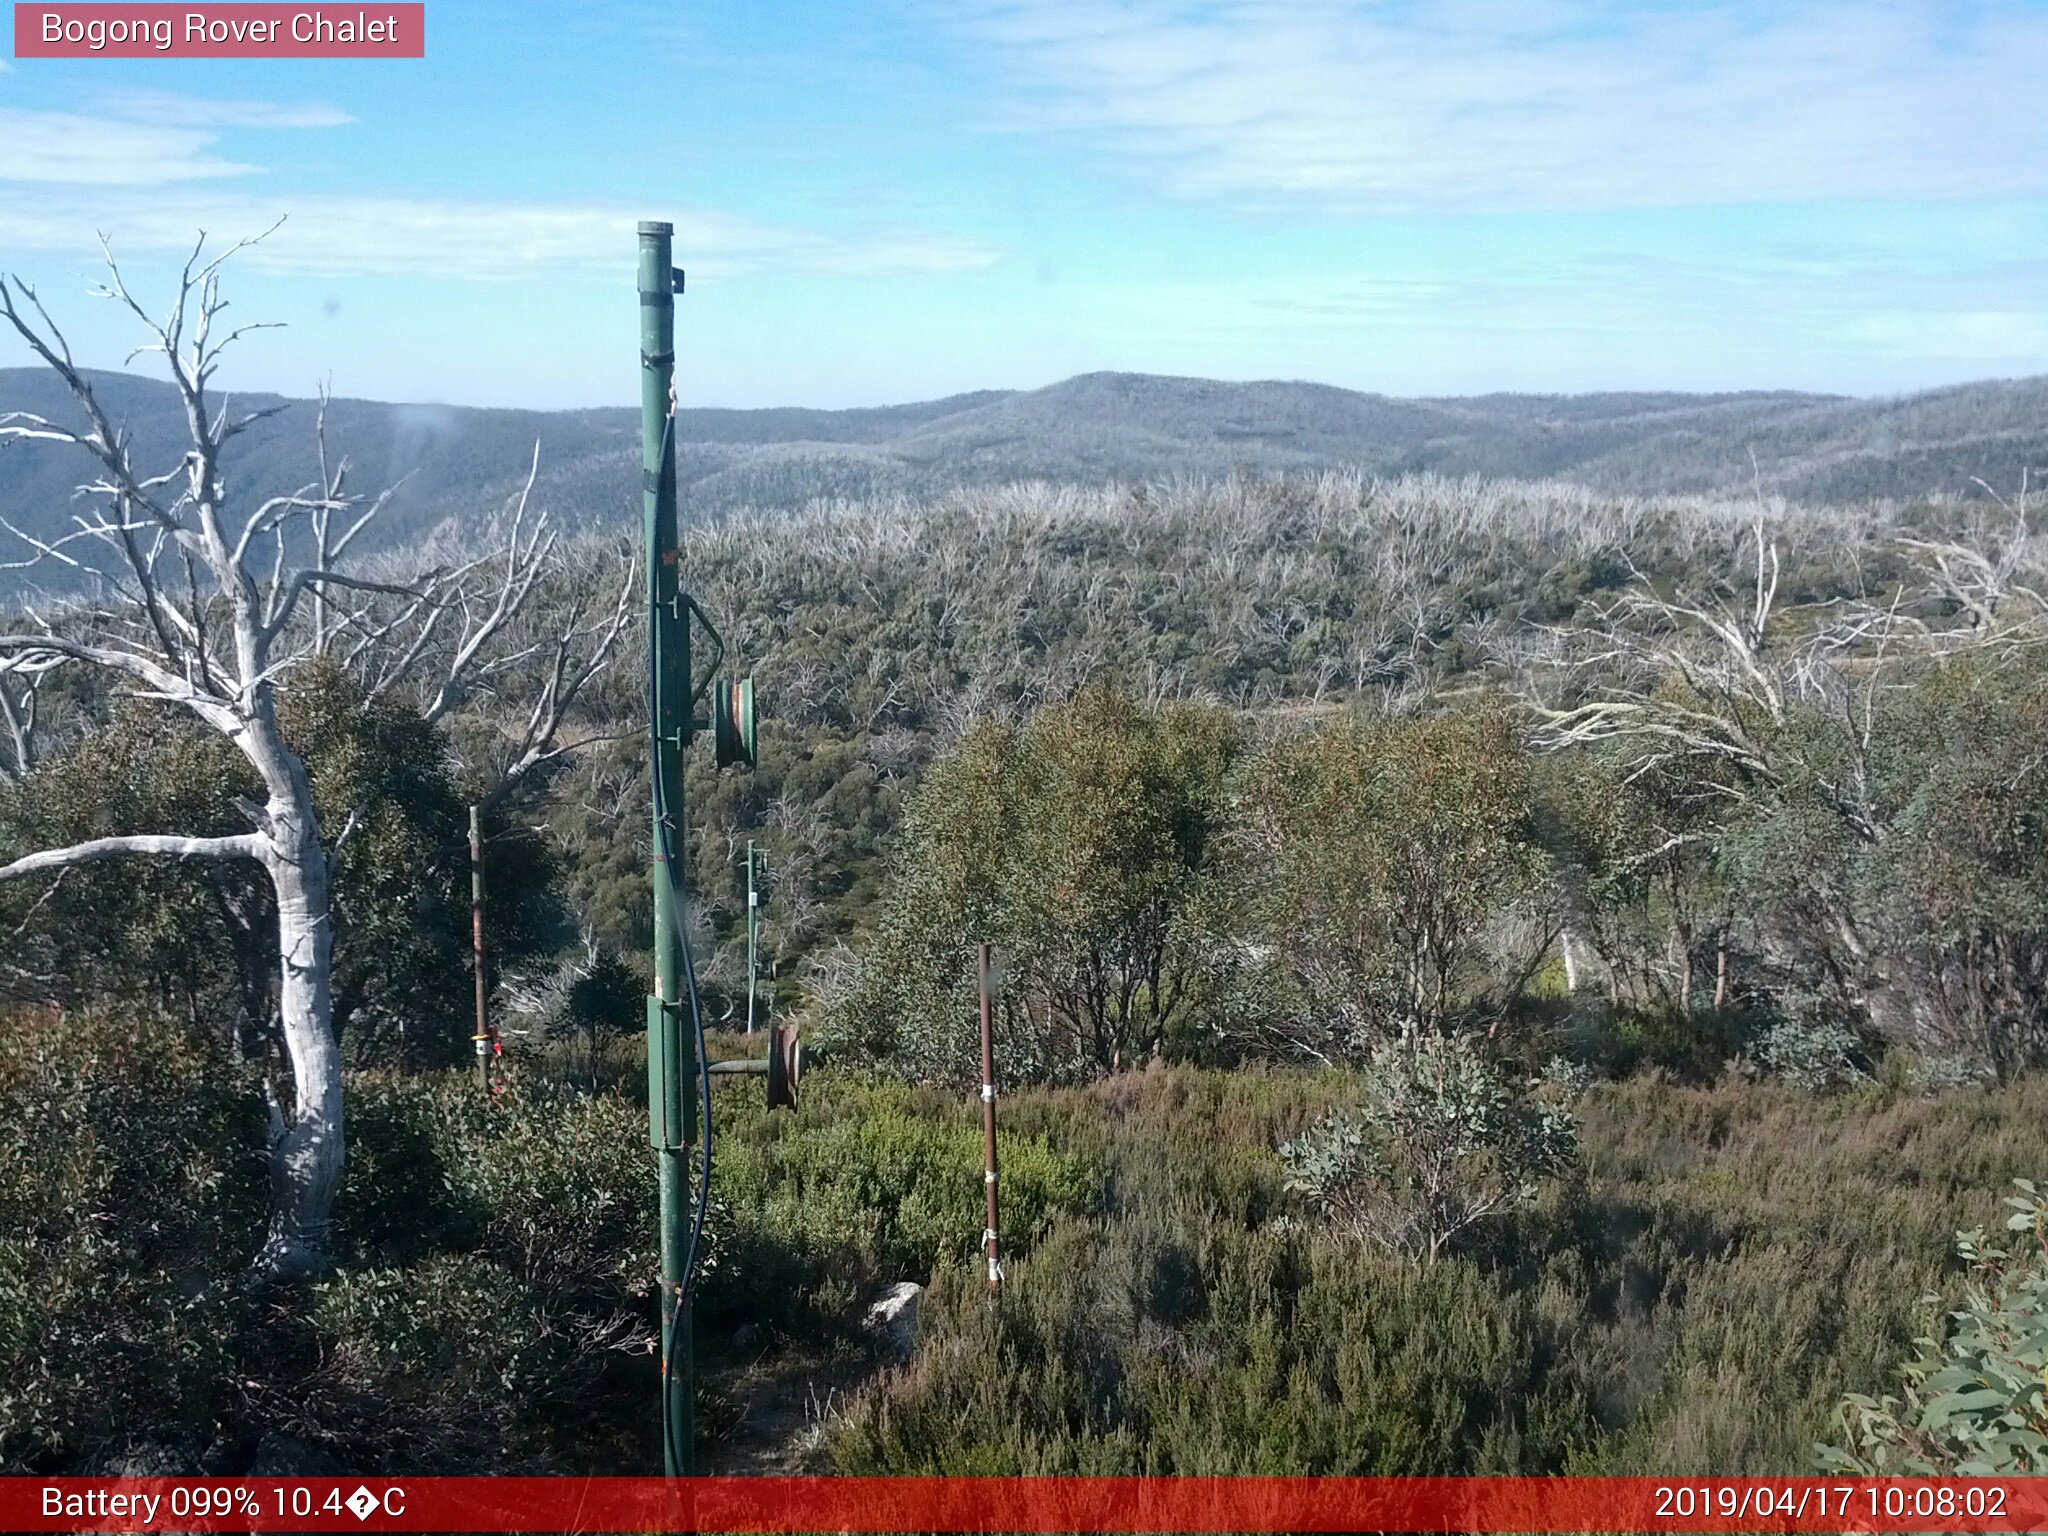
[
  {"x": 289, "y": 1456},
  {"x": 893, "y": 1319}
]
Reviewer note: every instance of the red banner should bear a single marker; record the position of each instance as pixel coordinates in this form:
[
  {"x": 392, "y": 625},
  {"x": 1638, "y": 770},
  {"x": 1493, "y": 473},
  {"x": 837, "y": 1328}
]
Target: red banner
[
  {"x": 233, "y": 31},
  {"x": 1136, "y": 1504}
]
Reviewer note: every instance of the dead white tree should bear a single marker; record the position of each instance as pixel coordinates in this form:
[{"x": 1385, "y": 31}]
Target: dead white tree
[
  {"x": 1699, "y": 690},
  {"x": 1992, "y": 583},
  {"x": 203, "y": 604}
]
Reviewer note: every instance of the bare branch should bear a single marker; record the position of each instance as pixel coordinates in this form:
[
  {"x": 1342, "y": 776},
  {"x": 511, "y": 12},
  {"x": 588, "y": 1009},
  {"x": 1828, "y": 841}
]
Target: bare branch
[{"x": 248, "y": 845}]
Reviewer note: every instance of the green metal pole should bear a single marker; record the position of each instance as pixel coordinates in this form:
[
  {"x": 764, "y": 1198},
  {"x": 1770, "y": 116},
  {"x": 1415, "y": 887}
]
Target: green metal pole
[{"x": 671, "y": 1048}]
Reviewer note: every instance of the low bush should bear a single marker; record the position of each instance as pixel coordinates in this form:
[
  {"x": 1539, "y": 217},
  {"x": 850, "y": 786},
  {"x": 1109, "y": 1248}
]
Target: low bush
[
  {"x": 131, "y": 1199},
  {"x": 871, "y": 1180},
  {"x": 1694, "y": 1297},
  {"x": 1976, "y": 1398},
  {"x": 1440, "y": 1139}
]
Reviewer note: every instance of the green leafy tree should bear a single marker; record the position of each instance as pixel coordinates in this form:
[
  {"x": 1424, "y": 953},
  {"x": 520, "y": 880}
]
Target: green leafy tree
[
  {"x": 1381, "y": 864},
  {"x": 1896, "y": 874},
  {"x": 1080, "y": 844},
  {"x": 1650, "y": 909},
  {"x": 200, "y": 937}
]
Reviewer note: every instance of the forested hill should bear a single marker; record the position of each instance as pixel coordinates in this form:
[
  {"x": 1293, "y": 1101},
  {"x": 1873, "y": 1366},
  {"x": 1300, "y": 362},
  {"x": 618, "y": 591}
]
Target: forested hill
[{"x": 1092, "y": 429}]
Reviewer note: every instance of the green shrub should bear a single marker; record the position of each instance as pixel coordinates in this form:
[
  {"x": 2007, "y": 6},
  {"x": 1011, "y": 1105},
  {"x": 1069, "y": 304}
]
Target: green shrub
[
  {"x": 500, "y": 1274},
  {"x": 1441, "y": 1139},
  {"x": 1134, "y": 1348},
  {"x": 453, "y": 1363},
  {"x": 1976, "y": 1398},
  {"x": 871, "y": 1180},
  {"x": 131, "y": 1199},
  {"x": 1694, "y": 1297},
  {"x": 555, "y": 1185}
]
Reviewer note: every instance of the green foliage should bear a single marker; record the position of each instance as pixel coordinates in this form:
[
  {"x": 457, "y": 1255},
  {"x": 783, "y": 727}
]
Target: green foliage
[
  {"x": 1976, "y": 1398},
  {"x": 191, "y": 937},
  {"x": 1914, "y": 907},
  {"x": 1137, "y": 1349},
  {"x": 1079, "y": 844},
  {"x": 871, "y": 1180},
  {"x": 1814, "y": 1053},
  {"x": 402, "y": 982},
  {"x": 1440, "y": 1139},
  {"x": 131, "y": 1190},
  {"x": 1375, "y": 860},
  {"x": 1722, "y": 1266},
  {"x": 498, "y": 1256},
  {"x": 200, "y": 937},
  {"x": 1635, "y": 846}
]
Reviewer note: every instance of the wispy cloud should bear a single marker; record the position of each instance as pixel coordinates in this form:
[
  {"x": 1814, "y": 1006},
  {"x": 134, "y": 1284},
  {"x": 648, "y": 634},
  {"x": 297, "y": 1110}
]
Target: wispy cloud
[
  {"x": 140, "y": 139},
  {"x": 347, "y": 236},
  {"x": 67, "y": 147},
  {"x": 1535, "y": 104},
  {"x": 170, "y": 110}
]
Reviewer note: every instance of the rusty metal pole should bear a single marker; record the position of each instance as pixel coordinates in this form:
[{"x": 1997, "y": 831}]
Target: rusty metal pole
[
  {"x": 988, "y": 1127},
  {"x": 476, "y": 939}
]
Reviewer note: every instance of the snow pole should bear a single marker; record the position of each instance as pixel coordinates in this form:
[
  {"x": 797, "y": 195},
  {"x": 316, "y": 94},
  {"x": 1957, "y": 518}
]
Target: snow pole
[
  {"x": 482, "y": 1038},
  {"x": 753, "y": 937}
]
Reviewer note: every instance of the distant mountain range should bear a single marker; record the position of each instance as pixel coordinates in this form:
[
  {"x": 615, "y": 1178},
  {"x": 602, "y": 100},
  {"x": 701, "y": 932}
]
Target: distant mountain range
[{"x": 461, "y": 462}]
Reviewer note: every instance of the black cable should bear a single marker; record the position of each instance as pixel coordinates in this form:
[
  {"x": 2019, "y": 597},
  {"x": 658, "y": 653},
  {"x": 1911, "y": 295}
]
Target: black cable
[{"x": 664, "y": 829}]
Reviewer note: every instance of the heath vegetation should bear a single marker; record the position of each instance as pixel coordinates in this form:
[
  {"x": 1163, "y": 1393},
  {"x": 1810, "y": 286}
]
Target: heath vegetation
[{"x": 1495, "y": 977}]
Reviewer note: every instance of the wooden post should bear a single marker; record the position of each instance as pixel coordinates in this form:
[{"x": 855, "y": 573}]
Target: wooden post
[{"x": 988, "y": 1127}]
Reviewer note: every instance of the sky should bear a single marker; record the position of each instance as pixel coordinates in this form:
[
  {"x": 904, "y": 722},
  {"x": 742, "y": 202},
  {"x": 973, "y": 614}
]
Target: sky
[{"x": 890, "y": 200}]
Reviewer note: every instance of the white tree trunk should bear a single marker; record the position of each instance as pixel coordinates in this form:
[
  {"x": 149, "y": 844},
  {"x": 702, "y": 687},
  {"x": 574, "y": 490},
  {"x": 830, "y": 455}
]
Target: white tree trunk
[{"x": 306, "y": 1150}]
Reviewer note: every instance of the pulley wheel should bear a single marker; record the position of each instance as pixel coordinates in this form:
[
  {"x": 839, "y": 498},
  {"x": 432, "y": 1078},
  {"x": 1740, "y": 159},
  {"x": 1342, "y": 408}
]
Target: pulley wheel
[
  {"x": 785, "y": 1065},
  {"x": 733, "y": 721}
]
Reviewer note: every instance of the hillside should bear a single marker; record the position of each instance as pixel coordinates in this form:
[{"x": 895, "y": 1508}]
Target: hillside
[{"x": 1095, "y": 429}]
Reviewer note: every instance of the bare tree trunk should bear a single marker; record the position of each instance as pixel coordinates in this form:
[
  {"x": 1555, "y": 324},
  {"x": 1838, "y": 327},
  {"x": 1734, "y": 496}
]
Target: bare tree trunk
[{"x": 305, "y": 1161}]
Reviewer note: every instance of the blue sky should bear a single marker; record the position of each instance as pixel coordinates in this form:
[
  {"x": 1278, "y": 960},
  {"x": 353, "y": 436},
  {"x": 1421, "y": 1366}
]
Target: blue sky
[{"x": 884, "y": 200}]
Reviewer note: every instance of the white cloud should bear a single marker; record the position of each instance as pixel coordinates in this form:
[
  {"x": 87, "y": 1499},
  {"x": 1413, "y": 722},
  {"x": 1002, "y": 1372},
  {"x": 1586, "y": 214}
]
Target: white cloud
[
  {"x": 96, "y": 151},
  {"x": 1539, "y": 104},
  {"x": 140, "y": 139},
  {"x": 170, "y": 110},
  {"x": 343, "y": 236}
]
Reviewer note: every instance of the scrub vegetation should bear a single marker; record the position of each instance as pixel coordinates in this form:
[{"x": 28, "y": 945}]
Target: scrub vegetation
[{"x": 1494, "y": 977}]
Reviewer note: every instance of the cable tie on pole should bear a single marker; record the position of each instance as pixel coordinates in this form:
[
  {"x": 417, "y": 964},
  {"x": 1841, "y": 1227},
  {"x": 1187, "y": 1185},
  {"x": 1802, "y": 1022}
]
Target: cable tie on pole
[
  {"x": 988, "y": 1093},
  {"x": 988, "y": 1235},
  {"x": 989, "y": 1177},
  {"x": 656, "y": 359}
]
